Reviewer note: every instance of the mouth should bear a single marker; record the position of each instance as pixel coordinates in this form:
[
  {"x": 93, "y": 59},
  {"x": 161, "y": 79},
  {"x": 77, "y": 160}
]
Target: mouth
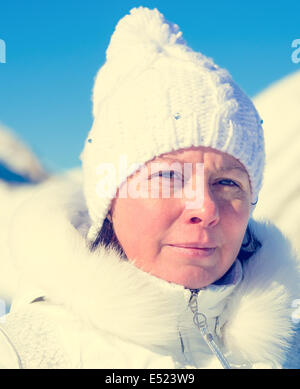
[{"x": 200, "y": 252}]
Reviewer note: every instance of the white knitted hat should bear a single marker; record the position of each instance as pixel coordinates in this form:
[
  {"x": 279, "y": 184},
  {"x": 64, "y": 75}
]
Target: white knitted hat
[{"x": 155, "y": 95}]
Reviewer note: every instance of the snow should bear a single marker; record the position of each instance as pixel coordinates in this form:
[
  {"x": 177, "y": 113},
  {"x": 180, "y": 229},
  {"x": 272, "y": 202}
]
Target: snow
[
  {"x": 17, "y": 157},
  {"x": 20, "y": 172},
  {"x": 21, "y": 175},
  {"x": 279, "y": 199}
]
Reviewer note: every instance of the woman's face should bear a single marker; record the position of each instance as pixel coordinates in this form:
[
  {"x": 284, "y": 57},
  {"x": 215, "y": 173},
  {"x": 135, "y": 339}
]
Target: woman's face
[{"x": 188, "y": 216}]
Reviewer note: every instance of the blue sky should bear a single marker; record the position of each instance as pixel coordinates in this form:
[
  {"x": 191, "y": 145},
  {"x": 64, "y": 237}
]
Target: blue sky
[{"x": 54, "y": 49}]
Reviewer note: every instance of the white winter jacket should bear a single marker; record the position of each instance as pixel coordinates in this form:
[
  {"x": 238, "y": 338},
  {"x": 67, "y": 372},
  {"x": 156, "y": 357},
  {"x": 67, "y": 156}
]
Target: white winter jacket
[{"x": 78, "y": 309}]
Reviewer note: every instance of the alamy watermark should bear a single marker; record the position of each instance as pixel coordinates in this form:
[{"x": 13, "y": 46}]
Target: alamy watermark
[
  {"x": 2, "y": 310},
  {"x": 164, "y": 180},
  {"x": 296, "y": 312},
  {"x": 296, "y": 53},
  {"x": 2, "y": 51}
]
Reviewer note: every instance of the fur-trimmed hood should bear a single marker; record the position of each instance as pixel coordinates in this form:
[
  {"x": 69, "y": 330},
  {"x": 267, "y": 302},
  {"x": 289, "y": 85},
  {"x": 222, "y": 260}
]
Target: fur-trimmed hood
[{"x": 51, "y": 258}]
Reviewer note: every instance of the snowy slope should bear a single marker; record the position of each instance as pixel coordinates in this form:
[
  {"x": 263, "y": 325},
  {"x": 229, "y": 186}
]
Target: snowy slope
[
  {"x": 17, "y": 163},
  {"x": 279, "y": 200},
  {"x": 20, "y": 174}
]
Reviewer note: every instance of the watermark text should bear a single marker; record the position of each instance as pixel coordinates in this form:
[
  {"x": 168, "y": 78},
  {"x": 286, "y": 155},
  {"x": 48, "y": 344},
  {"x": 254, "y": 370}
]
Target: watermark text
[
  {"x": 296, "y": 53},
  {"x": 296, "y": 312},
  {"x": 2, "y": 51},
  {"x": 2, "y": 310},
  {"x": 153, "y": 180}
]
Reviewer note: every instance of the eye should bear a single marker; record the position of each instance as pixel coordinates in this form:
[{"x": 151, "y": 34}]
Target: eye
[
  {"x": 170, "y": 174},
  {"x": 228, "y": 182}
]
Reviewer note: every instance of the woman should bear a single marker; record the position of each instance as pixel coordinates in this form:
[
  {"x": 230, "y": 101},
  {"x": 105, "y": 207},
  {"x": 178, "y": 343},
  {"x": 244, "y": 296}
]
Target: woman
[{"x": 150, "y": 257}]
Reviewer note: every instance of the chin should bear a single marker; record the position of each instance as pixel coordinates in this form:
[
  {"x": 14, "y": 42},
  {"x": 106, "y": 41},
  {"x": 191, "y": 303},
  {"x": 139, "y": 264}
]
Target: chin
[
  {"x": 195, "y": 281},
  {"x": 196, "y": 285}
]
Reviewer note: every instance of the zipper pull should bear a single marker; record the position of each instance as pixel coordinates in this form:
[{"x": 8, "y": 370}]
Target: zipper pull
[
  {"x": 193, "y": 303},
  {"x": 200, "y": 321}
]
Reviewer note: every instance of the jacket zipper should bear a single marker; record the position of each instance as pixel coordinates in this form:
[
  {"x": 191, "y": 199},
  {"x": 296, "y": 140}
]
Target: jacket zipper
[{"x": 200, "y": 321}]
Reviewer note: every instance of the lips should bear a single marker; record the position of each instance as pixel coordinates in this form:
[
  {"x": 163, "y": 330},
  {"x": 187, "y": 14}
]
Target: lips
[
  {"x": 194, "y": 245},
  {"x": 189, "y": 250}
]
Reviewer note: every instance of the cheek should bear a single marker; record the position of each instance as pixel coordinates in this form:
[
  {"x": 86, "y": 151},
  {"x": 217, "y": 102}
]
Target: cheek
[
  {"x": 235, "y": 222},
  {"x": 139, "y": 225}
]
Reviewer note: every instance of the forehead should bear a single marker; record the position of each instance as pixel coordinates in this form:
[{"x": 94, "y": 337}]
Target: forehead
[{"x": 212, "y": 158}]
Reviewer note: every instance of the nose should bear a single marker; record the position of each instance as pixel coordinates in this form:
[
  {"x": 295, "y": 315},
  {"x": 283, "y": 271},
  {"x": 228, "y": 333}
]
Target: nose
[{"x": 204, "y": 211}]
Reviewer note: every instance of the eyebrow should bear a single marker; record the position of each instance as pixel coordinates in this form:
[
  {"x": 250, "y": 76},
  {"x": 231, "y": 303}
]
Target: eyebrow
[
  {"x": 222, "y": 169},
  {"x": 229, "y": 168}
]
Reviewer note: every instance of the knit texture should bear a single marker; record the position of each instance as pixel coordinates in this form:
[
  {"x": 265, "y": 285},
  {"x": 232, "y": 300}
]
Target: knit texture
[{"x": 155, "y": 95}]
